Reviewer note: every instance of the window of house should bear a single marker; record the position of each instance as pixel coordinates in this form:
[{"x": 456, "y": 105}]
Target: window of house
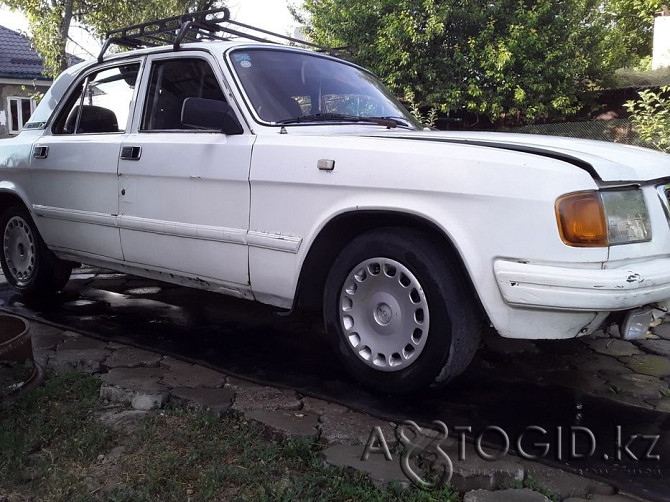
[
  {"x": 171, "y": 82},
  {"x": 19, "y": 110},
  {"x": 101, "y": 103}
]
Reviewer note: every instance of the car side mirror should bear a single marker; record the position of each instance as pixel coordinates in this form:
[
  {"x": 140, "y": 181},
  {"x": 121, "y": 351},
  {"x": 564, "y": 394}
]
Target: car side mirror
[{"x": 210, "y": 114}]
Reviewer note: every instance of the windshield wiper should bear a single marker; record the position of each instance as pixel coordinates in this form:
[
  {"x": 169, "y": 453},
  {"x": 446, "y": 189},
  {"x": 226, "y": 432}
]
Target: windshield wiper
[
  {"x": 401, "y": 121},
  {"x": 340, "y": 117}
]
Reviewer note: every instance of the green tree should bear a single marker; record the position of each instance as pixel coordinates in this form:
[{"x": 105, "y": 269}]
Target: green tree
[
  {"x": 650, "y": 115},
  {"x": 632, "y": 26},
  {"x": 513, "y": 61},
  {"x": 50, "y": 20}
]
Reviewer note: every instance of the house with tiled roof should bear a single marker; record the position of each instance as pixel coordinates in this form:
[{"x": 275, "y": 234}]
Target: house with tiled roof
[{"x": 21, "y": 78}]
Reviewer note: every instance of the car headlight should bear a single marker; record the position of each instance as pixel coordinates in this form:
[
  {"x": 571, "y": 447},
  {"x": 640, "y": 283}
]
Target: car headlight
[{"x": 606, "y": 218}]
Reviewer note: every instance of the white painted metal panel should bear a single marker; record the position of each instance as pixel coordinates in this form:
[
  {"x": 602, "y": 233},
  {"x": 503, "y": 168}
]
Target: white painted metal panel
[
  {"x": 491, "y": 203},
  {"x": 76, "y": 186},
  {"x": 184, "y": 206}
]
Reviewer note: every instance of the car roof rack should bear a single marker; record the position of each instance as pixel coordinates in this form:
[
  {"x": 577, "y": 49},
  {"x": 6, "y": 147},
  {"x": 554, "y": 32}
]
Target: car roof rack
[{"x": 213, "y": 24}]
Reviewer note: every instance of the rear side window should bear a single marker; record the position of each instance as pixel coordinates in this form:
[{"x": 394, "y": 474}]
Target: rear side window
[
  {"x": 101, "y": 103},
  {"x": 170, "y": 84}
]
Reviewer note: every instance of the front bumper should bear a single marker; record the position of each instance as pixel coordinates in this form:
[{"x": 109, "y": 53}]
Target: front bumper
[{"x": 577, "y": 289}]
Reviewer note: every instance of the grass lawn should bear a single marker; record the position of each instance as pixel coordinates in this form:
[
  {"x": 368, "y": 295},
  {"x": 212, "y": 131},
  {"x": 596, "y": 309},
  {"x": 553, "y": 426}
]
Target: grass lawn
[{"x": 53, "y": 446}]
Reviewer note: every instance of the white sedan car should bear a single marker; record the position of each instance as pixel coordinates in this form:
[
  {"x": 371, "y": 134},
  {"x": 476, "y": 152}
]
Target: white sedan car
[{"x": 293, "y": 178}]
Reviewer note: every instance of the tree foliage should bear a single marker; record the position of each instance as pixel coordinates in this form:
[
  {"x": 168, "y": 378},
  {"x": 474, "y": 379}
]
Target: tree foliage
[
  {"x": 513, "y": 61},
  {"x": 50, "y": 20},
  {"x": 631, "y": 26},
  {"x": 650, "y": 115}
]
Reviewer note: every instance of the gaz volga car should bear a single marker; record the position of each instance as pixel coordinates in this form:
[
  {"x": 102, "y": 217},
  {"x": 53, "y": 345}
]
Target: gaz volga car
[{"x": 294, "y": 178}]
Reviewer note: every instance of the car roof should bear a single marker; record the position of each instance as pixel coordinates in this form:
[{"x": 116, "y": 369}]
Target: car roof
[{"x": 211, "y": 46}]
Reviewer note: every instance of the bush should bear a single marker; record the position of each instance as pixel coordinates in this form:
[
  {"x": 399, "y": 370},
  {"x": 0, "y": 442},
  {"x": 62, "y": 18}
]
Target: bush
[{"x": 650, "y": 115}]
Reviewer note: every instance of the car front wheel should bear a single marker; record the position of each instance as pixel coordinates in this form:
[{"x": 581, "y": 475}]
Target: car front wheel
[
  {"x": 29, "y": 266},
  {"x": 399, "y": 312}
]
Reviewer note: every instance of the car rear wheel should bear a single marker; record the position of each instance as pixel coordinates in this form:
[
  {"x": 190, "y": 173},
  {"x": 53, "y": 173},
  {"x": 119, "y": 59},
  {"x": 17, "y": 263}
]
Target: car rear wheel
[
  {"x": 29, "y": 266},
  {"x": 399, "y": 313}
]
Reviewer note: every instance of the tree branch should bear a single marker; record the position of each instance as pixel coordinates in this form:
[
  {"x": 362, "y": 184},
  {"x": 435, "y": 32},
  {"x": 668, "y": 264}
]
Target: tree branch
[{"x": 81, "y": 46}]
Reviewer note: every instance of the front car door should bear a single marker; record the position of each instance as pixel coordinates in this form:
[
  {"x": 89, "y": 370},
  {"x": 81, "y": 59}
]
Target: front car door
[
  {"x": 74, "y": 166},
  {"x": 184, "y": 193}
]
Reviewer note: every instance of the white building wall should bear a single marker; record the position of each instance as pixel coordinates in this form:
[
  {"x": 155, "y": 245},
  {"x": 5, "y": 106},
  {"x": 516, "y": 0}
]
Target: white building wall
[{"x": 661, "y": 54}]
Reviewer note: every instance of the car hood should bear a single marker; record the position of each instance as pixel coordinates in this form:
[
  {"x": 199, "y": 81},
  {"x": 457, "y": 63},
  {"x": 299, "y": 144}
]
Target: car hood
[{"x": 606, "y": 162}]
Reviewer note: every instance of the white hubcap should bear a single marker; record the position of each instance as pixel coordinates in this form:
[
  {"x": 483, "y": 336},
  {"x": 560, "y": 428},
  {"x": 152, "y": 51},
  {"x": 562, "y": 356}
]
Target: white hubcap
[
  {"x": 19, "y": 249},
  {"x": 384, "y": 314}
]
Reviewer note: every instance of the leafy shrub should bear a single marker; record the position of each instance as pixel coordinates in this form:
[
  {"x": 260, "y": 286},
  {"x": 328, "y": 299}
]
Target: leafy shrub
[{"x": 650, "y": 115}]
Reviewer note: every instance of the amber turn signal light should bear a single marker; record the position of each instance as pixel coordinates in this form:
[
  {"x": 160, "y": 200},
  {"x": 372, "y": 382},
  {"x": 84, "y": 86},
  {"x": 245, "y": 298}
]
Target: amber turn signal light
[{"x": 581, "y": 220}]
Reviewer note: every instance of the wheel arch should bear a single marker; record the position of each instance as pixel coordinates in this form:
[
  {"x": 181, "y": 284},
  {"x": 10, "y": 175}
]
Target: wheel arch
[
  {"x": 342, "y": 228},
  {"x": 9, "y": 197}
]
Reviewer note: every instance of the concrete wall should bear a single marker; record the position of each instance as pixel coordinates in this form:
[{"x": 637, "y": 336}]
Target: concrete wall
[
  {"x": 661, "y": 55},
  {"x": 9, "y": 90}
]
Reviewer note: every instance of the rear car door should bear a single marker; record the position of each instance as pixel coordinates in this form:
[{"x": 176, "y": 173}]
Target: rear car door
[
  {"x": 74, "y": 166},
  {"x": 184, "y": 192}
]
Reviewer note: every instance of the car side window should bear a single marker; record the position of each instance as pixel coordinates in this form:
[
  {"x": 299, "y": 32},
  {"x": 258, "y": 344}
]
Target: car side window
[
  {"x": 101, "y": 103},
  {"x": 171, "y": 82}
]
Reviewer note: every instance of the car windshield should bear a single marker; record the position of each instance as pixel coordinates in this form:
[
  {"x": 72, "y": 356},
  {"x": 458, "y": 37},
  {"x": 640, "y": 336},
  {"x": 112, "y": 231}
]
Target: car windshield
[{"x": 290, "y": 87}]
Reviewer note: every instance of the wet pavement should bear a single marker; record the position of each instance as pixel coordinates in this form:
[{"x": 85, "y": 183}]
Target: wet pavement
[{"x": 551, "y": 391}]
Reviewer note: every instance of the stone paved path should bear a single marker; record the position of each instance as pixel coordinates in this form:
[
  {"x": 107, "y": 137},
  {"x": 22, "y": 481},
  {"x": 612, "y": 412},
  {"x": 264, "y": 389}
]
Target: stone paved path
[
  {"x": 634, "y": 373},
  {"x": 145, "y": 380}
]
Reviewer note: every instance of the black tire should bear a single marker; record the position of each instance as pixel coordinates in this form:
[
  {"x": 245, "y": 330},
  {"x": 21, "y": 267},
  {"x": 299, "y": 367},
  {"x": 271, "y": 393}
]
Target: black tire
[
  {"x": 454, "y": 322},
  {"x": 29, "y": 266}
]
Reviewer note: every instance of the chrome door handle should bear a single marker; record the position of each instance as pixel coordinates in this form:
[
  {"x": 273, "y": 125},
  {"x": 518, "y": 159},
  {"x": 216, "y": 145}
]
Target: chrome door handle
[
  {"x": 131, "y": 152},
  {"x": 40, "y": 152}
]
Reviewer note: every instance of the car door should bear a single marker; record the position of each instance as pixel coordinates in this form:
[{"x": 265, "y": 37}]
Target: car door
[
  {"x": 184, "y": 193},
  {"x": 74, "y": 166}
]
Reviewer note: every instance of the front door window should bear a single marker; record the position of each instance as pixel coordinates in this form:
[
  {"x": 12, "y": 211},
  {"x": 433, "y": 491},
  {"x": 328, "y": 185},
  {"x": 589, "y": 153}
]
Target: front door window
[
  {"x": 101, "y": 103},
  {"x": 170, "y": 84}
]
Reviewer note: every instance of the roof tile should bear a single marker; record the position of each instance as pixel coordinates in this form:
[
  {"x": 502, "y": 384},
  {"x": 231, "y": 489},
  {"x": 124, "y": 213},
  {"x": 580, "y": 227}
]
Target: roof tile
[{"x": 18, "y": 58}]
